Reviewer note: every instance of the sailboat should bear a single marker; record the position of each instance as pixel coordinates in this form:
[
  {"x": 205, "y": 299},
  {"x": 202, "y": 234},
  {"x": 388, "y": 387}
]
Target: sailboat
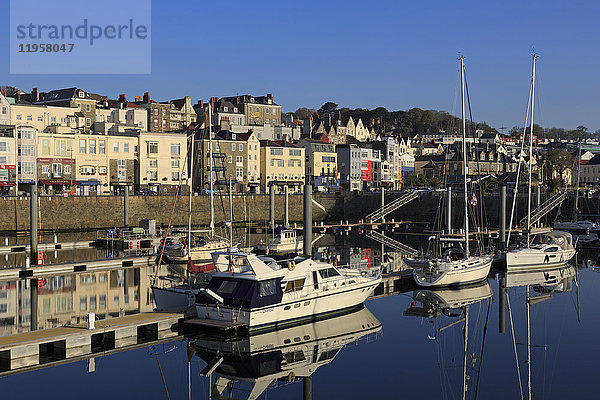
[
  {"x": 198, "y": 248},
  {"x": 544, "y": 249},
  {"x": 461, "y": 267},
  {"x": 584, "y": 232}
]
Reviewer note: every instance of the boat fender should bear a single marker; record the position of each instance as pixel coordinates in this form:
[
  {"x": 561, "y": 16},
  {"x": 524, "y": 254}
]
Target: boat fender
[
  {"x": 291, "y": 265},
  {"x": 291, "y": 377},
  {"x": 363, "y": 273}
]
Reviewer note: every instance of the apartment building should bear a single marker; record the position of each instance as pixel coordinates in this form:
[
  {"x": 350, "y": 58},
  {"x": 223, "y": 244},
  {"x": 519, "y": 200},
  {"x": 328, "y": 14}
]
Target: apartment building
[
  {"x": 282, "y": 164},
  {"x": 55, "y": 163},
  {"x": 236, "y": 158},
  {"x": 321, "y": 165},
  {"x": 8, "y": 160},
  {"x": 349, "y": 166},
  {"x": 161, "y": 158},
  {"x": 260, "y": 110}
]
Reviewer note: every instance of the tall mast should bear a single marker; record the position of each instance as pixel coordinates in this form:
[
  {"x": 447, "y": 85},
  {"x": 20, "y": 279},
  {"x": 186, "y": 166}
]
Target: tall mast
[
  {"x": 210, "y": 178},
  {"x": 466, "y": 337},
  {"x": 464, "y": 132},
  {"x": 531, "y": 150},
  {"x": 577, "y": 191},
  {"x": 528, "y": 346},
  {"x": 190, "y": 188}
]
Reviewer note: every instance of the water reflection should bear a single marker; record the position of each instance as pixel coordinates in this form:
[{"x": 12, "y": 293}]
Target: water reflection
[{"x": 245, "y": 368}]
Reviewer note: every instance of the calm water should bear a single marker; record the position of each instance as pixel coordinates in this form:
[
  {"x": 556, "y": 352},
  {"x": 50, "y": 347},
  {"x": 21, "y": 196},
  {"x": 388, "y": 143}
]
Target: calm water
[{"x": 408, "y": 344}]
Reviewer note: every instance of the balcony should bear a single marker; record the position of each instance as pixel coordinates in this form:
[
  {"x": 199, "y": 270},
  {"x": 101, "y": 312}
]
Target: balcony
[{"x": 217, "y": 155}]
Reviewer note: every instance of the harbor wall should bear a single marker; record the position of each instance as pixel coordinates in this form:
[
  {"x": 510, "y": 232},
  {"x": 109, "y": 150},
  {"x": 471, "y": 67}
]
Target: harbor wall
[{"x": 64, "y": 213}]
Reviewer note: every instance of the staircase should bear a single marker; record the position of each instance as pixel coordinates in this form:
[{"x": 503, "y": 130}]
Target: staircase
[
  {"x": 545, "y": 208},
  {"x": 393, "y": 206},
  {"x": 394, "y": 244}
]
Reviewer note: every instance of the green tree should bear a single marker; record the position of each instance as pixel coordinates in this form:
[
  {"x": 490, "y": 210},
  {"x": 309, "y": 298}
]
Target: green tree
[
  {"x": 303, "y": 113},
  {"x": 559, "y": 161},
  {"x": 328, "y": 107}
]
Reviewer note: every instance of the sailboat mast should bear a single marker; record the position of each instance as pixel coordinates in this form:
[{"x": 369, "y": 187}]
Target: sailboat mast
[
  {"x": 464, "y": 132},
  {"x": 528, "y": 346},
  {"x": 190, "y": 189},
  {"x": 577, "y": 191},
  {"x": 210, "y": 178},
  {"x": 530, "y": 151},
  {"x": 466, "y": 337}
]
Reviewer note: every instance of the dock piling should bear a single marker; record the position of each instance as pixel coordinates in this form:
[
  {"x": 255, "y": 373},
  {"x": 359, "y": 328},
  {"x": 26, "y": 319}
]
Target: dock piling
[
  {"x": 286, "y": 212},
  {"x": 308, "y": 220},
  {"x": 502, "y": 303},
  {"x": 449, "y": 211},
  {"x": 33, "y": 223},
  {"x": 272, "y": 206},
  {"x": 126, "y": 207},
  {"x": 502, "y": 218}
]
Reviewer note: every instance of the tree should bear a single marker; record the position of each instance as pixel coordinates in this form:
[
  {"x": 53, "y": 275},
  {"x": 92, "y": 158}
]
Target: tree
[
  {"x": 559, "y": 161},
  {"x": 303, "y": 113},
  {"x": 328, "y": 107}
]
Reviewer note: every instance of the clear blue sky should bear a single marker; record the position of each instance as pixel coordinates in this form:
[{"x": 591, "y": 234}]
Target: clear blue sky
[{"x": 393, "y": 54}]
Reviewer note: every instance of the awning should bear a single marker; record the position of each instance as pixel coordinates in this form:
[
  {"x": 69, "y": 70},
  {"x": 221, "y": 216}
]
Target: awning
[
  {"x": 58, "y": 182},
  {"x": 89, "y": 183},
  {"x": 7, "y": 184}
]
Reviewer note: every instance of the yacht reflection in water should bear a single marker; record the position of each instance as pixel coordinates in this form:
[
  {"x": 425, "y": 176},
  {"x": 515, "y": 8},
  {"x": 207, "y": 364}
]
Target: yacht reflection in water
[
  {"x": 448, "y": 309},
  {"x": 245, "y": 367}
]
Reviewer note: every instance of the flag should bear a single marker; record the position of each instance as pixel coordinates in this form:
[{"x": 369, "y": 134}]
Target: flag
[{"x": 474, "y": 200}]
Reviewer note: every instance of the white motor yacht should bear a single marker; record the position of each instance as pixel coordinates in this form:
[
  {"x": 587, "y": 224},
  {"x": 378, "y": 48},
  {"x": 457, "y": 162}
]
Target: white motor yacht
[{"x": 261, "y": 292}]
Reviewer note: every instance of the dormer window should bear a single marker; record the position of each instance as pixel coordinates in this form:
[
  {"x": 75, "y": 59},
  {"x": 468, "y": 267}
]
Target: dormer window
[
  {"x": 224, "y": 109},
  {"x": 81, "y": 94},
  {"x": 235, "y": 109}
]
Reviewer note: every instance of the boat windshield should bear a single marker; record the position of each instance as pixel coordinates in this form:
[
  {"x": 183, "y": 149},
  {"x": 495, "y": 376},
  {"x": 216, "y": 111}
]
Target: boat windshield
[{"x": 560, "y": 239}]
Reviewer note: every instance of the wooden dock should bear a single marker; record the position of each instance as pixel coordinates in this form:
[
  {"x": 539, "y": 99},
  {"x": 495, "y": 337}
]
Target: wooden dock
[
  {"x": 63, "y": 343},
  {"x": 22, "y": 248}
]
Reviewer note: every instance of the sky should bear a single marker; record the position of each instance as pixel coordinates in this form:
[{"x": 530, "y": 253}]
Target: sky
[{"x": 392, "y": 54}]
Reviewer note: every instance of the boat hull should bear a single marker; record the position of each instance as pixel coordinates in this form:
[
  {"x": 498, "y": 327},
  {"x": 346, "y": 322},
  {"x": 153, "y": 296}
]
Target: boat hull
[
  {"x": 171, "y": 299},
  {"x": 453, "y": 273},
  {"x": 291, "y": 310},
  {"x": 531, "y": 258}
]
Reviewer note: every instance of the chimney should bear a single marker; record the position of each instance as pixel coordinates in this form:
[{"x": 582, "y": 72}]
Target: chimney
[
  {"x": 122, "y": 100},
  {"x": 35, "y": 94},
  {"x": 146, "y": 97},
  {"x": 138, "y": 99},
  {"x": 237, "y": 101},
  {"x": 18, "y": 96},
  {"x": 270, "y": 96},
  {"x": 201, "y": 103}
]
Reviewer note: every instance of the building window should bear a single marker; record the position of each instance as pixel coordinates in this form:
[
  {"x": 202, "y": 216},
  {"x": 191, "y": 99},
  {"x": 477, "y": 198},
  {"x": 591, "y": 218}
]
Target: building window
[
  {"x": 152, "y": 147},
  {"x": 232, "y": 146},
  {"x": 3, "y": 146},
  {"x": 3, "y": 175},
  {"x": 116, "y": 147},
  {"x": 280, "y": 163},
  {"x": 40, "y": 118},
  {"x": 88, "y": 108},
  {"x": 174, "y": 163},
  {"x": 239, "y": 173},
  {"x": 67, "y": 169},
  {"x": 164, "y": 113},
  {"x": 88, "y": 122},
  {"x": 122, "y": 164},
  {"x": 153, "y": 175},
  {"x": 229, "y": 159},
  {"x": 25, "y": 150},
  {"x": 3, "y": 160},
  {"x": 153, "y": 163},
  {"x": 26, "y": 134},
  {"x": 164, "y": 123},
  {"x": 29, "y": 118},
  {"x": 241, "y": 146},
  {"x": 156, "y": 111},
  {"x": 175, "y": 176},
  {"x": 156, "y": 124},
  {"x": 100, "y": 146},
  {"x": 92, "y": 146},
  {"x": 18, "y": 117},
  {"x": 290, "y": 163},
  {"x": 4, "y": 110},
  {"x": 239, "y": 159},
  {"x": 57, "y": 170},
  {"x": 45, "y": 169},
  {"x": 102, "y": 170},
  {"x": 267, "y": 120},
  {"x": 174, "y": 149},
  {"x": 125, "y": 147}
]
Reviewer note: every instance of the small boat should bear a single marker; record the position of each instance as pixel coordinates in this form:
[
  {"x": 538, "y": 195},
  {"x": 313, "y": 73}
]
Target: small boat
[
  {"x": 199, "y": 251},
  {"x": 283, "y": 240},
  {"x": 584, "y": 232},
  {"x": 456, "y": 265},
  {"x": 454, "y": 272},
  {"x": 541, "y": 250},
  {"x": 545, "y": 250},
  {"x": 258, "y": 292}
]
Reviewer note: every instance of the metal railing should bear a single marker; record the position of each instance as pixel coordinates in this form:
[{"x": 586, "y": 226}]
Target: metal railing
[
  {"x": 394, "y": 244},
  {"x": 393, "y": 206},
  {"x": 545, "y": 208}
]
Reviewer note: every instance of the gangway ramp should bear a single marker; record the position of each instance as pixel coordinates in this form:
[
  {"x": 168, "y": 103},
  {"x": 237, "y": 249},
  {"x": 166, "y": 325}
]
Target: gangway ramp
[
  {"x": 545, "y": 208},
  {"x": 394, "y": 244},
  {"x": 393, "y": 206}
]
